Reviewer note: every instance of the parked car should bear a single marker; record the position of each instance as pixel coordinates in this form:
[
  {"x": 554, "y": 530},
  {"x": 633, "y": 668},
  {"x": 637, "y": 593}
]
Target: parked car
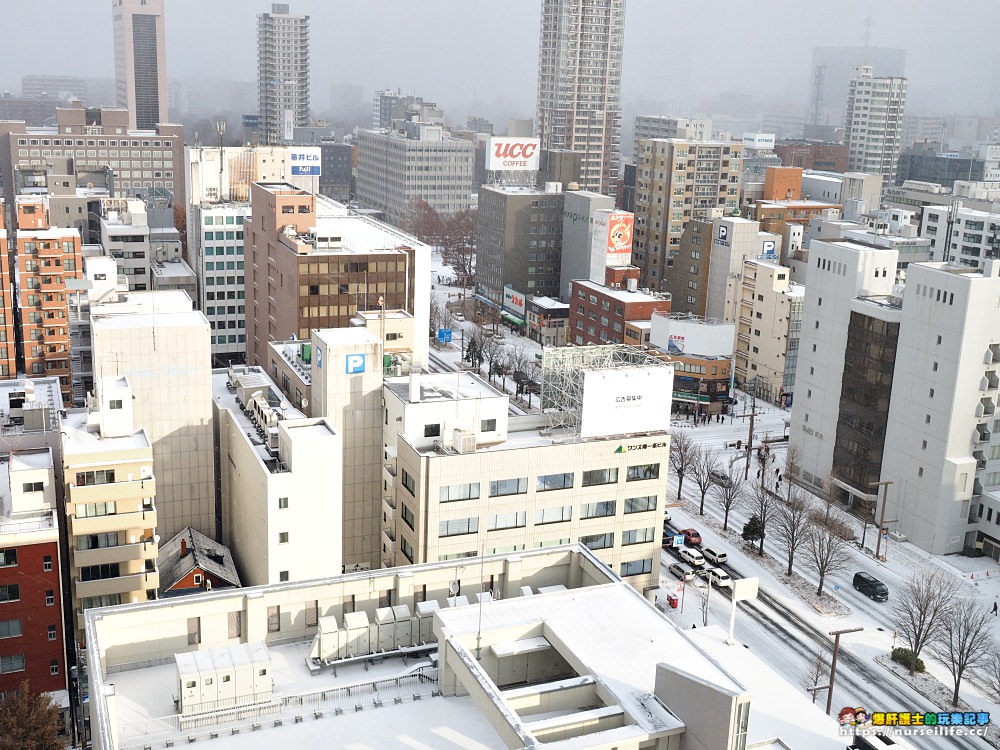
[
  {"x": 682, "y": 571},
  {"x": 715, "y": 556},
  {"x": 691, "y": 536},
  {"x": 458, "y": 316},
  {"x": 719, "y": 577},
  {"x": 721, "y": 478},
  {"x": 871, "y": 586},
  {"x": 692, "y": 557}
]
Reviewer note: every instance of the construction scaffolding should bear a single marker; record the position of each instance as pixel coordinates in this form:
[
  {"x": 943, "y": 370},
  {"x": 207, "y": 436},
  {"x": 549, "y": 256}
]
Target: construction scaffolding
[{"x": 564, "y": 369}]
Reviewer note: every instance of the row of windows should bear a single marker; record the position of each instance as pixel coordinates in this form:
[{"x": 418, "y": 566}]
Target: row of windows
[{"x": 11, "y": 592}]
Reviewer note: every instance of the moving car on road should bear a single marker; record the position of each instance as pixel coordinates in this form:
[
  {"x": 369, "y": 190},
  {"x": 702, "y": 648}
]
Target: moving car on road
[
  {"x": 682, "y": 571},
  {"x": 691, "y": 536},
  {"x": 871, "y": 586},
  {"x": 715, "y": 556}
]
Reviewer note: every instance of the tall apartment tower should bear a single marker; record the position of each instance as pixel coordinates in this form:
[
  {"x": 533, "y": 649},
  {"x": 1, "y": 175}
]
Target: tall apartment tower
[
  {"x": 579, "y": 84},
  {"x": 282, "y": 73},
  {"x": 874, "y": 123},
  {"x": 676, "y": 181},
  {"x": 140, "y": 61}
]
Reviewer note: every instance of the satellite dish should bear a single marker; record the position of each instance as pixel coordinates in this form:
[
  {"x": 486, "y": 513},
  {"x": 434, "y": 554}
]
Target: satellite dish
[
  {"x": 283, "y": 405},
  {"x": 453, "y": 588},
  {"x": 305, "y": 403}
]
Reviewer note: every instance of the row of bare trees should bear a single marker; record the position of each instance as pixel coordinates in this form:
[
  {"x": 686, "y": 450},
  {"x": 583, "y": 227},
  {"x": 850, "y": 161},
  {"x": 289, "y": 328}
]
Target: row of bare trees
[
  {"x": 455, "y": 235},
  {"x": 928, "y": 613},
  {"x": 502, "y": 360},
  {"x": 818, "y": 531}
]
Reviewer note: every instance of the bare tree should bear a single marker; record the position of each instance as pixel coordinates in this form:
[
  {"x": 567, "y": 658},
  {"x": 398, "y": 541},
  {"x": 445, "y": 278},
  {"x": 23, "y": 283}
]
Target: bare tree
[
  {"x": 827, "y": 548},
  {"x": 533, "y": 371},
  {"x": 919, "y": 608},
  {"x": 492, "y": 350},
  {"x": 682, "y": 455},
  {"x": 425, "y": 222},
  {"x": 730, "y": 495},
  {"x": 791, "y": 524},
  {"x": 517, "y": 363},
  {"x": 476, "y": 337},
  {"x": 763, "y": 504},
  {"x": 964, "y": 639},
  {"x": 459, "y": 244},
  {"x": 989, "y": 671},
  {"x": 816, "y": 674},
  {"x": 704, "y": 465}
]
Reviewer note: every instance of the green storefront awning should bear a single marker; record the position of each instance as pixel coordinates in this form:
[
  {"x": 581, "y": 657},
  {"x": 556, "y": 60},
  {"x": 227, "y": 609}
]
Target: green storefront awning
[{"x": 512, "y": 318}]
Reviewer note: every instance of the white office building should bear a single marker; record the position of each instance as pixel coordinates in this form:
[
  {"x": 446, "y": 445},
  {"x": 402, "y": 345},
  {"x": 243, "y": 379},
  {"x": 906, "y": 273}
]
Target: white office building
[
  {"x": 961, "y": 235},
  {"x": 282, "y": 73},
  {"x": 280, "y": 482},
  {"x": 645, "y": 127}
]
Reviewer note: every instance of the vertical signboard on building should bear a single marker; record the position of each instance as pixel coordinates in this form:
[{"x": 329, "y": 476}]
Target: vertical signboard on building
[
  {"x": 289, "y": 130},
  {"x": 612, "y": 237}
]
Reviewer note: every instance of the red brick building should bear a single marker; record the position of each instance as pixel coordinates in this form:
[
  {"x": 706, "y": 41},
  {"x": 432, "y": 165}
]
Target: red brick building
[
  {"x": 828, "y": 157},
  {"x": 598, "y": 313},
  {"x": 31, "y": 627}
]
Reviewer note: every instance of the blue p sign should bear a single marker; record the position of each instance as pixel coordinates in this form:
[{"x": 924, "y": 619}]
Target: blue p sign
[
  {"x": 355, "y": 363},
  {"x": 723, "y": 232},
  {"x": 768, "y": 247}
]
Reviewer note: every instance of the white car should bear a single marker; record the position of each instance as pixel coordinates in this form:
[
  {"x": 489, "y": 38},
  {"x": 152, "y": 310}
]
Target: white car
[
  {"x": 715, "y": 556},
  {"x": 719, "y": 577},
  {"x": 692, "y": 557},
  {"x": 682, "y": 571}
]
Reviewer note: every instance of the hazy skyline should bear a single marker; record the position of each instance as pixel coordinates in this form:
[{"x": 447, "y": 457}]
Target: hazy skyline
[{"x": 458, "y": 52}]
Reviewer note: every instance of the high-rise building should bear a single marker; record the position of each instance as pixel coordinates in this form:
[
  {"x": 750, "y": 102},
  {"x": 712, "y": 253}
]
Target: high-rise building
[
  {"x": 837, "y": 65},
  {"x": 665, "y": 126},
  {"x": 579, "y": 84},
  {"x": 874, "y": 123},
  {"x": 140, "y": 62},
  {"x": 679, "y": 180},
  {"x": 282, "y": 73}
]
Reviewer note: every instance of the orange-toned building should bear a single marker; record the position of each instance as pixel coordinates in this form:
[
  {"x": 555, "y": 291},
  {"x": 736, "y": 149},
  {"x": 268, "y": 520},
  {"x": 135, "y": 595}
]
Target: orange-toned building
[
  {"x": 8, "y": 351},
  {"x": 46, "y": 257},
  {"x": 782, "y": 184}
]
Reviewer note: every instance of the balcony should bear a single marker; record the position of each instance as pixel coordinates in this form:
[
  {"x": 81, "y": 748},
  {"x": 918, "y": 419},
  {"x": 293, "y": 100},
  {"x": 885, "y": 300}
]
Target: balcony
[
  {"x": 982, "y": 434},
  {"x": 139, "y": 520},
  {"x": 83, "y": 558},
  {"x": 99, "y": 493},
  {"x": 985, "y": 407},
  {"x": 990, "y": 381},
  {"x": 125, "y": 584},
  {"x": 389, "y": 507}
]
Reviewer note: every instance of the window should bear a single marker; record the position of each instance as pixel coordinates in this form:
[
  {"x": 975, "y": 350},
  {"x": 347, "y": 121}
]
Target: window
[
  {"x": 640, "y": 504},
  {"x": 596, "y": 477},
  {"x": 598, "y": 541},
  {"x": 458, "y": 527},
  {"x": 47, "y": 563},
  {"x": 282, "y": 503},
  {"x": 432, "y": 430},
  {"x": 54, "y": 667},
  {"x": 91, "y": 510},
  {"x": 283, "y": 576},
  {"x": 115, "y": 403},
  {"x": 12, "y": 663},
  {"x": 488, "y": 425},
  {"x": 53, "y": 633},
  {"x": 407, "y": 516},
  {"x": 194, "y": 631},
  {"x": 8, "y": 558},
  {"x": 637, "y": 567},
  {"x": 32, "y": 486},
  {"x": 638, "y": 536},
  {"x": 409, "y": 482},
  {"x": 235, "y": 621},
  {"x": 198, "y": 578},
  {"x": 12, "y": 629},
  {"x": 10, "y": 592},
  {"x": 455, "y": 492},
  {"x": 312, "y": 614},
  {"x": 553, "y": 515},
  {"x": 273, "y": 619},
  {"x": 97, "y": 541},
  {"x": 87, "y": 478},
  {"x": 513, "y": 520},
  {"x": 99, "y": 572},
  {"x": 554, "y": 482},
  {"x": 406, "y": 548},
  {"x": 282, "y": 537},
  {"x": 50, "y": 598},
  {"x": 643, "y": 471},
  {"x": 503, "y": 487},
  {"x": 597, "y": 510}
]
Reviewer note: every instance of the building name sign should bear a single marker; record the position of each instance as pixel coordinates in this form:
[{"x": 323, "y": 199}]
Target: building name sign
[
  {"x": 305, "y": 162},
  {"x": 639, "y": 447},
  {"x": 513, "y": 154}
]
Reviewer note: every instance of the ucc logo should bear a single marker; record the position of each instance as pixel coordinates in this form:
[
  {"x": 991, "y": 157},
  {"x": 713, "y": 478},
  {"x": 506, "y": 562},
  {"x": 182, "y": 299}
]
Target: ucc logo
[{"x": 514, "y": 150}]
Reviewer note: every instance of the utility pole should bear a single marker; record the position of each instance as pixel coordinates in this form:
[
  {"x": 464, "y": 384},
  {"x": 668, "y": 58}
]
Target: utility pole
[
  {"x": 881, "y": 520},
  {"x": 833, "y": 664},
  {"x": 753, "y": 413}
]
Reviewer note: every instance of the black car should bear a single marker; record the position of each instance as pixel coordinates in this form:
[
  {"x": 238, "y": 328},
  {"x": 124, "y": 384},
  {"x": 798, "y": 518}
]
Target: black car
[{"x": 871, "y": 586}]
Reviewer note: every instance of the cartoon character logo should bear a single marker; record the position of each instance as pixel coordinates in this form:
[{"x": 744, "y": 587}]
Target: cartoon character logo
[
  {"x": 620, "y": 234},
  {"x": 860, "y": 717},
  {"x": 846, "y": 717}
]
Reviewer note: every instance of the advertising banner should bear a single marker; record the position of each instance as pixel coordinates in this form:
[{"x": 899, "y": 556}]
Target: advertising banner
[
  {"x": 618, "y": 402},
  {"x": 306, "y": 161},
  {"x": 513, "y": 154},
  {"x": 513, "y": 301}
]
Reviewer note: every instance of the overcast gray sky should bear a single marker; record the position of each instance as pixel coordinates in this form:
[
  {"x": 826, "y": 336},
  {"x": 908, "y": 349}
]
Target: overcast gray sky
[{"x": 460, "y": 51}]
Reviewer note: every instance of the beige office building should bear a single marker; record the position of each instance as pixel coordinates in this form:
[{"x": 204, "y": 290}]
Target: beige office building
[
  {"x": 141, "y": 61},
  {"x": 110, "y": 502},
  {"x": 676, "y": 181}
]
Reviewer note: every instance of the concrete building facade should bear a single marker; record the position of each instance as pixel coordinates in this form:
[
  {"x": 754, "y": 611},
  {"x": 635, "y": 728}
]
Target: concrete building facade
[
  {"x": 677, "y": 181},
  {"x": 873, "y": 128},
  {"x": 579, "y": 85},
  {"x": 579, "y": 259}
]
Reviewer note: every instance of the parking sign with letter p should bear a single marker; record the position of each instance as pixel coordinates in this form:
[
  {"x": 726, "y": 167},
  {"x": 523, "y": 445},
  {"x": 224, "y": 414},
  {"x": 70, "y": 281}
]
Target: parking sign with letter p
[{"x": 355, "y": 363}]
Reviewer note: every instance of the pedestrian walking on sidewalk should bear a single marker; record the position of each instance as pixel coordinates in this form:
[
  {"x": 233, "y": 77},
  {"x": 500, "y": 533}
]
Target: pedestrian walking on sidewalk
[{"x": 994, "y": 609}]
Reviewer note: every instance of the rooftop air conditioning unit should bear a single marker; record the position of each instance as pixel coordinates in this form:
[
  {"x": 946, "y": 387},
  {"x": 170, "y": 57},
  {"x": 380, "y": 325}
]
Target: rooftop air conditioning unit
[{"x": 464, "y": 441}]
